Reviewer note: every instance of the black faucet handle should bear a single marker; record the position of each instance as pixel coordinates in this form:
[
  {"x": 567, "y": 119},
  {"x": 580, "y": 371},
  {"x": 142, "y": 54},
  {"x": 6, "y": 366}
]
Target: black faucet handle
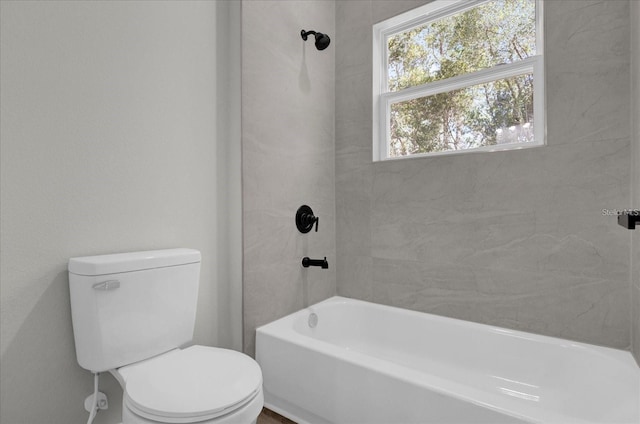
[{"x": 305, "y": 219}]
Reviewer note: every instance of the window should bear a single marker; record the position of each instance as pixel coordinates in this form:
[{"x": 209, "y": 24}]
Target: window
[{"x": 456, "y": 76}]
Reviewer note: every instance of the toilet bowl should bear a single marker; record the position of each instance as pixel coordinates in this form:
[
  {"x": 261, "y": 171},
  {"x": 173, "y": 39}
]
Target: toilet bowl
[
  {"x": 132, "y": 315},
  {"x": 194, "y": 385}
]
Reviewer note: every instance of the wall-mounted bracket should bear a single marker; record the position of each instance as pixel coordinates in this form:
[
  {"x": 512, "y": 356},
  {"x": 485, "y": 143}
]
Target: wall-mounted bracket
[
  {"x": 102, "y": 402},
  {"x": 629, "y": 219}
]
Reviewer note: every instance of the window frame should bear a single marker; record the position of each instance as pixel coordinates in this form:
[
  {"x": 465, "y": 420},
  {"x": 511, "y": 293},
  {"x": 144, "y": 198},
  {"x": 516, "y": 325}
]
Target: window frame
[{"x": 383, "y": 98}]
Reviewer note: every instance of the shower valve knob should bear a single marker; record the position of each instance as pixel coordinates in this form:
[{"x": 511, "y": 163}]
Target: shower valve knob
[
  {"x": 305, "y": 219},
  {"x": 311, "y": 219}
]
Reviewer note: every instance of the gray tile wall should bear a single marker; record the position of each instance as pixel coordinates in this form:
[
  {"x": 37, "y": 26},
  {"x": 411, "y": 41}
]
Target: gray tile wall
[
  {"x": 288, "y": 157},
  {"x": 635, "y": 193},
  {"x": 515, "y": 239}
]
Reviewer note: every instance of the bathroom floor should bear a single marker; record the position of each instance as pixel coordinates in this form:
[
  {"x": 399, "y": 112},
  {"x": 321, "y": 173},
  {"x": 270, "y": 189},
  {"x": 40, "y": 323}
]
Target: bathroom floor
[{"x": 267, "y": 416}]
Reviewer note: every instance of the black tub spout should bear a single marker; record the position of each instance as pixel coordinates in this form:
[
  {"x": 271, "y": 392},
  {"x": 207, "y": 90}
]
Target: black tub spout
[{"x": 306, "y": 262}]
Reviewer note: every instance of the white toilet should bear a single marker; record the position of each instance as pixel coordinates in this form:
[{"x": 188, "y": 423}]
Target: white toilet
[{"x": 131, "y": 314}]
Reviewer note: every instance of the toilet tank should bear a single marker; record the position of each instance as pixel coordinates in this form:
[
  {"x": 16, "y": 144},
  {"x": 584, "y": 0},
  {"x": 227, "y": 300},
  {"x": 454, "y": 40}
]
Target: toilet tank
[{"x": 128, "y": 307}]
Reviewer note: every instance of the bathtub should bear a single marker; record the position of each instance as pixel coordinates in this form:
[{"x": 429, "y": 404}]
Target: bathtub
[{"x": 349, "y": 361}]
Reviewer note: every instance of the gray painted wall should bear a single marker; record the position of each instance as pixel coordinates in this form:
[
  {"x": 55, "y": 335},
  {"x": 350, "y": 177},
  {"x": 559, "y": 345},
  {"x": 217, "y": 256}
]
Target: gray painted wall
[
  {"x": 515, "y": 239},
  {"x": 635, "y": 184},
  {"x": 287, "y": 157},
  {"x": 109, "y": 144}
]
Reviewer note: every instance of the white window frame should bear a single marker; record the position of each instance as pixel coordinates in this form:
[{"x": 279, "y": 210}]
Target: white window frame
[{"x": 383, "y": 98}]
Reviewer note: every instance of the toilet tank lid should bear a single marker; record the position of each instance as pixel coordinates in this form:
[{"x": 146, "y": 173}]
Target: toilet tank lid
[{"x": 133, "y": 261}]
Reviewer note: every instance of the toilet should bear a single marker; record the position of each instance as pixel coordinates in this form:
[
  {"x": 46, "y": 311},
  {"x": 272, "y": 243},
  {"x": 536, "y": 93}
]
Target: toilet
[{"x": 133, "y": 314}]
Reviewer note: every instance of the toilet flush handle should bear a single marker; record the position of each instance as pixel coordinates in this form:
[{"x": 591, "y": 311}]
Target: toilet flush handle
[{"x": 107, "y": 285}]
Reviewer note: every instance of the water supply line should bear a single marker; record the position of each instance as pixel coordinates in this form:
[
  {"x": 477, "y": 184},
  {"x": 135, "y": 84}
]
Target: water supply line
[{"x": 94, "y": 407}]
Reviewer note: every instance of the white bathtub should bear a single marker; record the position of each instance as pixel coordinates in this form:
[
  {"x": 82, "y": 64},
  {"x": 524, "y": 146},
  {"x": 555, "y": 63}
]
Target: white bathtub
[{"x": 368, "y": 363}]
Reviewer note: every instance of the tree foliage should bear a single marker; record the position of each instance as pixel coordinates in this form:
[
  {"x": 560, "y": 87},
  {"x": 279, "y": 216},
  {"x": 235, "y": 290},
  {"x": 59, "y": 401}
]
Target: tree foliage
[{"x": 498, "y": 32}]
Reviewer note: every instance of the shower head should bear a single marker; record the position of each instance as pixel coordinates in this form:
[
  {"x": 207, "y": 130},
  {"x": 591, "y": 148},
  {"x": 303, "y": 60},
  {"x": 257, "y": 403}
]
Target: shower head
[{"x": 322, "y": 40}]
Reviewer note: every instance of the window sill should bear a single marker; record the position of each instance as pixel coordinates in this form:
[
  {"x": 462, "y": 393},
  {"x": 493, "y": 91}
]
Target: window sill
[{"x": 486, "y": 149}]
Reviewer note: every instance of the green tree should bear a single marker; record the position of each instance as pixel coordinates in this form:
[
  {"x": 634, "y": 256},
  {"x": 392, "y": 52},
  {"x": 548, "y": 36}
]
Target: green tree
[{"x": 501, "y": 31}]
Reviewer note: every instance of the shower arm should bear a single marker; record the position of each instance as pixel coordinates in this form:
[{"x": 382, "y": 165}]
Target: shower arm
[
  {"x": 322, "y": 40},
  {"x": 305, "y": 34}
]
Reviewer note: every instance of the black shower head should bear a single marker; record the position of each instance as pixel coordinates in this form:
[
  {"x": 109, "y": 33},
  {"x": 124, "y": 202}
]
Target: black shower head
[{"x": 322, "y": 40}]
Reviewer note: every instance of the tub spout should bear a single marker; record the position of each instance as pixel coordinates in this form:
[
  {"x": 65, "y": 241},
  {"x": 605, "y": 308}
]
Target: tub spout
[{"x": 306, "y": 262}]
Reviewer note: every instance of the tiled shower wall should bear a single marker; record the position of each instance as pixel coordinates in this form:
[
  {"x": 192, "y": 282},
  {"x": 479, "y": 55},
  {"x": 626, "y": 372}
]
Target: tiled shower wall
[
  {"x": 635, "y": 194},
  {"x": 516, "y": 239},
  {"x": 288, "y": 157}
]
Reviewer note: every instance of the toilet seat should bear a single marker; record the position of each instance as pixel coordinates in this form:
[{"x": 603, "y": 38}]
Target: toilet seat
[{"x": 194, "y": 384}]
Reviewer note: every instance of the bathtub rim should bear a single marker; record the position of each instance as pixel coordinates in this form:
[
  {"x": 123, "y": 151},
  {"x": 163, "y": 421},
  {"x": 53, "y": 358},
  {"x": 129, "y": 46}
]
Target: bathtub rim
[
  {"x": 621, "y": 355},
  {"x": 280, "y": 328}
]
